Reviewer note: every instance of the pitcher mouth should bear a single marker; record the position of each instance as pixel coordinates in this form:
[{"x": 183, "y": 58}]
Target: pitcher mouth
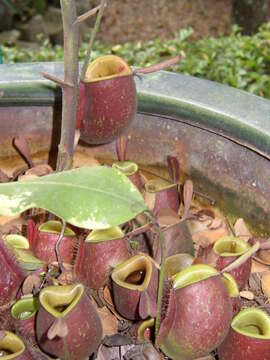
[
  {"x": 139, "y": 267},
  {"x": 12, "y": 345},
  {"x": 193, "y": 274},
  {"x": 127, "y": 167},
  {"x": 252, "y": 322},
  {"x": 106, "y": 67},
  {"x": 60, "y": 300},
  {"x": 157, "y": 185},
  {"x": 98, "y": 236},
  {"x": 230, "y": 246},
  {"x": 55, "y": 227},
  {"x": 25, "y": 308}
]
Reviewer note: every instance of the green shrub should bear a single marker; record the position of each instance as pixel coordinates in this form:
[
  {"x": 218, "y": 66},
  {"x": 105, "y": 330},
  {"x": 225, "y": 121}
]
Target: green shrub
[{"x": 237, "y": 60}]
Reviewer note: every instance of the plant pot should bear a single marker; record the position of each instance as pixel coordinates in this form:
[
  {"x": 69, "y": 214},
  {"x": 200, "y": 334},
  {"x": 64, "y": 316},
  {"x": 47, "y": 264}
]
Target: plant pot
[
  {"x": 249, "y": 337},
  {"x": 205, "y": 125},
  {"x": 101, "y": 251},
  {"x": 198, "y": 316},
  {"x": 135, "y": 284},
  {"x": 70, "y": 310},
  {"x": 109, "y": 99}
]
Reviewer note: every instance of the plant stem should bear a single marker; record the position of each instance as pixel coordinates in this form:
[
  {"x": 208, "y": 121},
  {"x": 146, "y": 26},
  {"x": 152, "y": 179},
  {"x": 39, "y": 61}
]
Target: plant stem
[
  {"x": 70, "y": 93},
  {"x": 57, "y": 247},
  {"x": 92, "y": 39},
  {"x": 242, "y": 259},
  {"x": 161, "y": 272}
]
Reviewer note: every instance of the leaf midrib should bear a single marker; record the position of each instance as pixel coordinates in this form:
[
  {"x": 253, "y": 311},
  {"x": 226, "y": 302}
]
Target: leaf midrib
[{"x": 81, "y": 187}]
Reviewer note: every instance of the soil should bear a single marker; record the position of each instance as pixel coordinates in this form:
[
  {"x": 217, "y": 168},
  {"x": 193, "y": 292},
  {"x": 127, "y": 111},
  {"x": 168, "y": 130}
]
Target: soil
[
  {"x": 132, "y": 20},
  {"x": 129, "y": 20}
]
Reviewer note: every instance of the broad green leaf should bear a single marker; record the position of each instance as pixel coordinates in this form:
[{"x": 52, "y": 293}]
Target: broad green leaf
[{"x": 88, "y": 197}]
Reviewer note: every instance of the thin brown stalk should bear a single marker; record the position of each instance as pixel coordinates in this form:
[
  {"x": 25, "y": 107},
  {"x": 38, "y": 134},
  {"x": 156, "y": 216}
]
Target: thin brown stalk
[
  {"x": 242, "y": 259},
  {"x": 92, "y": 39},
  {"x": 157, "y": 67},
  {"x": 87, "y": 15},
  {"x": 57, "y": 247},
  {"x": 55, "y": 79},
  {"x": 161, "y": 272}
]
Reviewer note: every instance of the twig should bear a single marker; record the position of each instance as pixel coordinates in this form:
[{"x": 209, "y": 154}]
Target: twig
[
  {"x": 242, "y": 259},
  {"x": 55, "y": 79},
  {"x": 161, "y": 273},
  {"x": 205, "y": 196},
  {"x": 139, "y": 230},
  {"x": 87, "y": 15},
  {"x": 157, "y": 67},
  {"x": 57, "y": 247},
  {"x": 92, "y": 39}
]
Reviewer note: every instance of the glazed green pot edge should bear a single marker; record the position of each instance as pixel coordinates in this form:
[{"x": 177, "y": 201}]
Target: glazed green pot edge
[{"x": 219, "y": 108}]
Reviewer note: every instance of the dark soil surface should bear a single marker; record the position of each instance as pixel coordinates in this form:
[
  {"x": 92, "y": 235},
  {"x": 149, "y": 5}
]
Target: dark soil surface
[{"x": 132, "y": 20}]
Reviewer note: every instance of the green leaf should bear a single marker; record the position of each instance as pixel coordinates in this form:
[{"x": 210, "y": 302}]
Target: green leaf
[{"x": 88, "y": 197}]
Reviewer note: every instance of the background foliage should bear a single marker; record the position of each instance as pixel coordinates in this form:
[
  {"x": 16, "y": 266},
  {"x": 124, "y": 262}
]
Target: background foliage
[{"x": 238, "y": 60}]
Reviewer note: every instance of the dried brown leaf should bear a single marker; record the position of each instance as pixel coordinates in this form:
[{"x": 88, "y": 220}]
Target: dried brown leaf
[
  {"x": 216, "y": 224},
  {"x": 149, "y": 352},
  {"x": 241, "y": 230},
  {"x": 27, "y": 177},
  {"x": 10, "y": 224},
  {"x": 263, "y": 256},
  {"x": 209, "y": 237},
  {"x": 83, "y": 159},
  {"x": 3, "y": 177},
  {"x": 39, "y": 170},
  {"x": 265, "y": 283},
  {"x": 109, "y": 321},
  {"x": 204, "y": 213},
  {"x": 246, "y": 294},
  {"x": 255, "y": 282},
  {"x": 107, "y": 296},
  {"x": 257, "y": 267},
  {"x": 105, "y": 353}
]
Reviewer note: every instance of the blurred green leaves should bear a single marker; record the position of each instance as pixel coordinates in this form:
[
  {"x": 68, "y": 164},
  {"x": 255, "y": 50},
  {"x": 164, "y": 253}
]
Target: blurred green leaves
[{"x": 237, "y": 60}]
